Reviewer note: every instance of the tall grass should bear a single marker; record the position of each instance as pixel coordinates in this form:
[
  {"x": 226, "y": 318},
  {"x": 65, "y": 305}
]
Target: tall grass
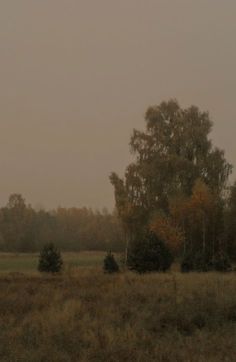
[{"x": 85, "y": 315}]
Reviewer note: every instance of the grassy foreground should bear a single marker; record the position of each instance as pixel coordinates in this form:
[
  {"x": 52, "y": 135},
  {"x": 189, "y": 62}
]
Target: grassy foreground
[{"x": 85, "y": 315}]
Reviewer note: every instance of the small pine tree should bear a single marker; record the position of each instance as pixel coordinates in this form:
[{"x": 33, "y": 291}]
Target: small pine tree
[
  {"x": 149, "y": 254},
  {"x": 110, "y": 264},
  {"x": 50, "y": 259}
]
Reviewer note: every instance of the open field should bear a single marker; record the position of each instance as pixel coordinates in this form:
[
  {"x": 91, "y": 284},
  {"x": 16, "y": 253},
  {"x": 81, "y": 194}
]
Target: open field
[
  {"x": 26, "y": 262},
  {"x": 84, "y": 315}
]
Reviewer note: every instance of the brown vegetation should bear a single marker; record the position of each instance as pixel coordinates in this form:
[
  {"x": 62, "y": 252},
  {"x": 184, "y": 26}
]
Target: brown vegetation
[
  {"x": 88, "y": 316},
  {"x": 24, "y": 229}
]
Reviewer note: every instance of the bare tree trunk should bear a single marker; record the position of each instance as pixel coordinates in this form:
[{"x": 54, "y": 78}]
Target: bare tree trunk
[
  {"x": 126, "y": 249},
  {"x": 183, "y": 227},
  {"x": 204, "y": 234}
]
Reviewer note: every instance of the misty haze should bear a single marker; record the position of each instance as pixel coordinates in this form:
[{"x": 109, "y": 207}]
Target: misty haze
[
  {"x": 78, "y": 76},
  {"x": 118, "y": 189}
]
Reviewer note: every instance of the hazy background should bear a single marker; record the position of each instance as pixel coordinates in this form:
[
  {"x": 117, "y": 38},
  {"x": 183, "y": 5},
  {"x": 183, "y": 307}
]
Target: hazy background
[{"x": 76, "y": 76}]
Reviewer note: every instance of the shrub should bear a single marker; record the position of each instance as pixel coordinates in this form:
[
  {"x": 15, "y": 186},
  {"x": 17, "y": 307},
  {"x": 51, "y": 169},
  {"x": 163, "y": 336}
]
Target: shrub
[
  {"x": 202, "y": 263},
  {"x": 148, "y": 253},
  {"x": 197, "y": 261},
  {"x": 187, "y": 264},
  {"x": 110, "y": 264},
  {"x": 50, "y": 259},
  {"x": 221, "y": 263}
]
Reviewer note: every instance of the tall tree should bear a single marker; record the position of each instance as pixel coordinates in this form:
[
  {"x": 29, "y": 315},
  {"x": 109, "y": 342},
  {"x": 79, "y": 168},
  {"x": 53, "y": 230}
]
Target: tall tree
[
  {"x": 160, "y": 185},
  {"x": 169, "y": 156}
]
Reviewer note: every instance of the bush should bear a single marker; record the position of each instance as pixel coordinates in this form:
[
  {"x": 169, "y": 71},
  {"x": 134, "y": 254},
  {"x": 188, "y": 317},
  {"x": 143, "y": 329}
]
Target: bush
[
  {"x": 221, "y": 263},
  {"x": 197, "y": 261},
  {"x": 187, "y": 264},
  {"x": 50, "y": 259},
  {"x": 110, "y": 264},
  {"x": 148, "y": 253},
  {"x": 202, "y": 263}
]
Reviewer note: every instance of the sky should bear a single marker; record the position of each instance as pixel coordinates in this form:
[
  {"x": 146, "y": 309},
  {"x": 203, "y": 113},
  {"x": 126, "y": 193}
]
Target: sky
[{"x": 76, "y": 76}]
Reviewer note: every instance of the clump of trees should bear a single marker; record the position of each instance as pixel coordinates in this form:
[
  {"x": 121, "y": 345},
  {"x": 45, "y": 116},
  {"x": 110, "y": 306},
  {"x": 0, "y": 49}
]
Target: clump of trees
[
  {"x": 176, "y": 187},
  {"x": 24, "y": 229}
]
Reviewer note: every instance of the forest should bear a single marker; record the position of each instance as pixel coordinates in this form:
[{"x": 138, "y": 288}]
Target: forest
[
  {"x": 177, "y": 187},
  {"x": 152, "y": 281},
  {"x": 24, "y": 229}
]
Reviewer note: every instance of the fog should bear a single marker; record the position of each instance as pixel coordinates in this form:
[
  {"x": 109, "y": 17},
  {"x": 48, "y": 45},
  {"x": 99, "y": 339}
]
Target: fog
[{"x": 77, "y": 77}]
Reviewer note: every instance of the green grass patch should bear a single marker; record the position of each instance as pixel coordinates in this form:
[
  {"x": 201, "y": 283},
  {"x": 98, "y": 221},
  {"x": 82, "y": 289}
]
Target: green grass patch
[{"x": 11, "y": 262}]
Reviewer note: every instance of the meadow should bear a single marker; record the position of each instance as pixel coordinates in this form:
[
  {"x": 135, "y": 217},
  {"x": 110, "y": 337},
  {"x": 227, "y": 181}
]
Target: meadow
[
  {"x": 28, "y": 263},
  {"x": 86, "y": 315}
]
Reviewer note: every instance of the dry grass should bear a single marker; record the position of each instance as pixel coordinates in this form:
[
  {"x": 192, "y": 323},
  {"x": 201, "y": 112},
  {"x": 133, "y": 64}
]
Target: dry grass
[{"x": 85, "y": 315}]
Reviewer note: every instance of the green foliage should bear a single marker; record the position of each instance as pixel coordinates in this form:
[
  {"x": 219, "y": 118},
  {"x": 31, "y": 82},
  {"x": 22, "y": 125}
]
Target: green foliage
[
  {"x": 222, "y": 263},
  {"x": 50, "y": 259},
  {"x": 110, "y": 264},
  {"x": 197, "y": 261},
  {"x": 170, "y": 155},
  {"x": 187, "y": 264},
  {"x": 148, "y": 254},
  {"x": 202, "y": 263},
  {"x": 174, "y": 157}
]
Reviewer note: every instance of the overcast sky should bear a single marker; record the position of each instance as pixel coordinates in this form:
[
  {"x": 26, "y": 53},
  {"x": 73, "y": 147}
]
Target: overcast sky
[{"x": 76, "y": 76}]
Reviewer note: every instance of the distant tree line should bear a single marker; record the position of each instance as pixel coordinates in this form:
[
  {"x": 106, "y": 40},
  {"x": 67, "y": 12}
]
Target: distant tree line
[
  {"x": 24, "y": 229},
  {"x": 173, "y": 201},
  {"x": 177, "y": 188}
]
